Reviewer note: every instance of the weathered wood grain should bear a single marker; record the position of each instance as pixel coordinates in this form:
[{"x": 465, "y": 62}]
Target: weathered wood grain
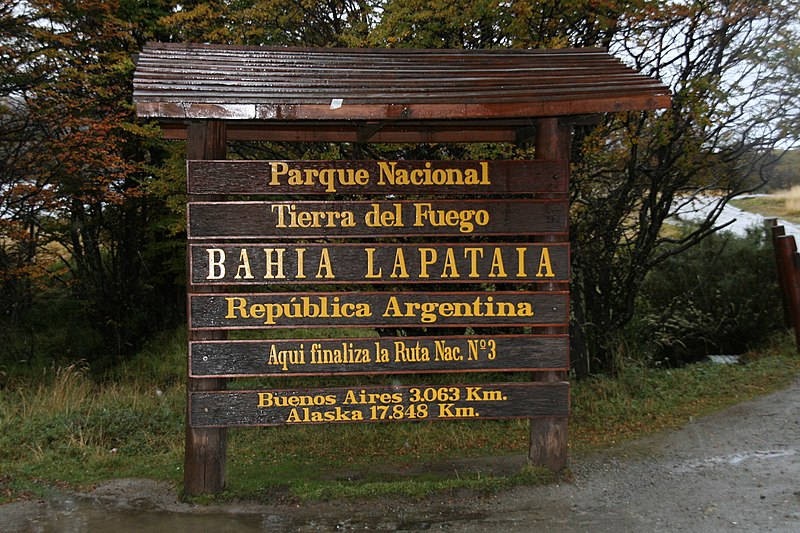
[
  {"x": 205, "y": 449},
  {"x": 376, "y": 309},
  {"x": 379, "y": 404},
  {"x": 446, "y": 218},
  {"x": 310, "y": 263},
  {"x": 376, "y": 177},
  {"x": 378, "y": 355}
]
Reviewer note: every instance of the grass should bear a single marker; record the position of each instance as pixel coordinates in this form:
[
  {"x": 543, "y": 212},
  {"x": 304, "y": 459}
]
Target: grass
[
  {"x": 784, "y": 205},
  {"x": 66, "y": 429},
  {"x": 642, "y": 400}
]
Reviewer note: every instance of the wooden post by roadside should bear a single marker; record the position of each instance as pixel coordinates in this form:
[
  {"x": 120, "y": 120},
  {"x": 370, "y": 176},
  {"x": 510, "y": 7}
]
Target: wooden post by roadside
[
  {"x": 789, "y": 269},
  {"x": 548, "y": 441},
  {"x": 775, "y": 232},
  {"x": 206, "y": 448}
]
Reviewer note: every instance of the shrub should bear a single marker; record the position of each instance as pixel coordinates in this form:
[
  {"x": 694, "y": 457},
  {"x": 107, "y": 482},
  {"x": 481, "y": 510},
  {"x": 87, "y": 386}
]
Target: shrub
[{"x": 720, "y": 297}]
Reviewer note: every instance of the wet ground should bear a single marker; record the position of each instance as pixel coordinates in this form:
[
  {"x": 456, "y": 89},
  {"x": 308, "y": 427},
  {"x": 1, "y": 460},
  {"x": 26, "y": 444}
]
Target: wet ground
[{"x": 738, "y": 470}]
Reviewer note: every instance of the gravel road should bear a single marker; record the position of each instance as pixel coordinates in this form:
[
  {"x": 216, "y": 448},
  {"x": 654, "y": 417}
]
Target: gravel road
[{"x": 737, "y": 470}]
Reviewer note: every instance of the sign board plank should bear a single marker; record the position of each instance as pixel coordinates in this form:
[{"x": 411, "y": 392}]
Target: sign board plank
[
  {"x": 377, "y": 177},
  {"x": 376, "y": 309},
  {"x": 282, "y": 263},
  {"x": 378, "y": 355},
  {"x": 378, "y": 404},
  {"x": 250, "y": 220}
]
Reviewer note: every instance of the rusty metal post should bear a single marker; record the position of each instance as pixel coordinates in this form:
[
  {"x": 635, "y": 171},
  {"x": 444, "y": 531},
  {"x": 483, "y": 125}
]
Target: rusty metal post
[
  {"x": 205, "y": 451},
  {"x": 548, "y": 440},
  {"x": 790, "y": 271}
]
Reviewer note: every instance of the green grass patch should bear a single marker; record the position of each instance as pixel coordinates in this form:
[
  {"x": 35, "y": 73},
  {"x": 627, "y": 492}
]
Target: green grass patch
[
  {"x": 67, "y": 428},
  {"x": 642, "y": 400},
  {"x": 768, "y": 206}
]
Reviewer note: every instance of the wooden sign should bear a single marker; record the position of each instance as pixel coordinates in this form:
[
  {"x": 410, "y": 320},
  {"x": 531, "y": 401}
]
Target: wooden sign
[
  {"x": 377, "y": 309},
  {"x": 265, "y": 264},
  {"x": 446, "y": 218},
  {"x": 378, "y": 404},
  {"x": 381, "y": 177},
  {"x": 378, "y": 355}
]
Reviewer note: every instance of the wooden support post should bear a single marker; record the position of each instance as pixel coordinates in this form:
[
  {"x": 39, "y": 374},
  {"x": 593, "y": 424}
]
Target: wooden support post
[
  {"x": 206, "y": 448},
  {"x": 783, "y": 274},
  {"x": 548, "y": 440},
  {"x": 789, "y": 266}
]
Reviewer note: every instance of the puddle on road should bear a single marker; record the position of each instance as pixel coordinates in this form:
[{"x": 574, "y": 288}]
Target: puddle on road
[
  {"x": 77, "y": 516},
  {"x": 82, "y": 515}
]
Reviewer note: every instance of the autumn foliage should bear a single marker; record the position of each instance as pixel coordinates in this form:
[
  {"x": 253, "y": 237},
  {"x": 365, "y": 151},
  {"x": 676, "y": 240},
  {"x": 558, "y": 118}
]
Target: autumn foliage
[{"x": 91, "y": 197}]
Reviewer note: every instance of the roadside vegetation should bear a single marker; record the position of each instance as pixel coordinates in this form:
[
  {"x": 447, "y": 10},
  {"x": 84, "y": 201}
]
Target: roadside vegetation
[
  {"x": 72, "y": 426},
  {"x": 66, "y": 429},
  {"x": 92, "y": 198},
  {"x": 92, "y": 249},
  {"x": 69, "y": 425},
  {"x": 784, "y": 205}
]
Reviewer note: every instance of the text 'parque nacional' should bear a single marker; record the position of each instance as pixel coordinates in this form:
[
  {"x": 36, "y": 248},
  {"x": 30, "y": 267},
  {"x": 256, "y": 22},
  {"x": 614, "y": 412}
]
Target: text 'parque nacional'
[
  {"x": 333, "y": 179},
  {"x": 317, "y": 177}
]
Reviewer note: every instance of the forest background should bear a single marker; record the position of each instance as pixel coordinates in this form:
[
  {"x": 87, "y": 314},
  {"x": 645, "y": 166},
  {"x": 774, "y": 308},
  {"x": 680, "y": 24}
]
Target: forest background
[{"x": 92, "y": 243}]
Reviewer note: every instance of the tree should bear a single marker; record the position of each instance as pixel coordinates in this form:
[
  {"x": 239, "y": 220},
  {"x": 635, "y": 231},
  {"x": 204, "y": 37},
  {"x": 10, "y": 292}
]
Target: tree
[
  {"x": 637, "y": 170},
  {"x": 275, "y": 22},
  {"x": 79, "y": 172},
  {"x": 83, "y": 188},
  {"x": 23, "y": 193},
  {"x": 732, "y": 68}
]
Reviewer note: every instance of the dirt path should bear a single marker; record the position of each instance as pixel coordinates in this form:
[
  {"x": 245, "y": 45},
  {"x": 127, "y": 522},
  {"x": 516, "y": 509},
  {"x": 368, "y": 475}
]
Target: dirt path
[{"x": 738, "y": 470}]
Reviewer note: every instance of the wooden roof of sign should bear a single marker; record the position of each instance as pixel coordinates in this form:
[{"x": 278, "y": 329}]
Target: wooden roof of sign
[{"x": 382, "y": 95}]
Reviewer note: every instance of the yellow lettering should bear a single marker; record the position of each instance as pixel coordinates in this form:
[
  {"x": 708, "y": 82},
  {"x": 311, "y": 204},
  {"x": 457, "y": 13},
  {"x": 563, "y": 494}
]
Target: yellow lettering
[
  {"x": 300, "y": 265},
  {"x": 392, "y": 307},
  {"x": 465, "y": 219},
  {"x": 399, "y": 268},
  {"x": 265, "y": 399},
  {"x": 377, "y": 218},
  {"x": 271, "y": 263},
  {"x": 371, "y": 274},
  {"x": 325, "y": 264},
  {"x": 449, "y": 265},
  {"x": 485, "y": 173},
  {"x": 427, "y": 175},
  {"x": 497, "y": 270},
  {"x": 473, "y": 254},
  {"x": 427, "y": 257},
  {"x": 288, "y": 216},
  {"x": 544, "y": 265},
  {"x": 236, "y": 304},
  {"x": 278, "y": 169},
  {"x": 521, "y": 262}
]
